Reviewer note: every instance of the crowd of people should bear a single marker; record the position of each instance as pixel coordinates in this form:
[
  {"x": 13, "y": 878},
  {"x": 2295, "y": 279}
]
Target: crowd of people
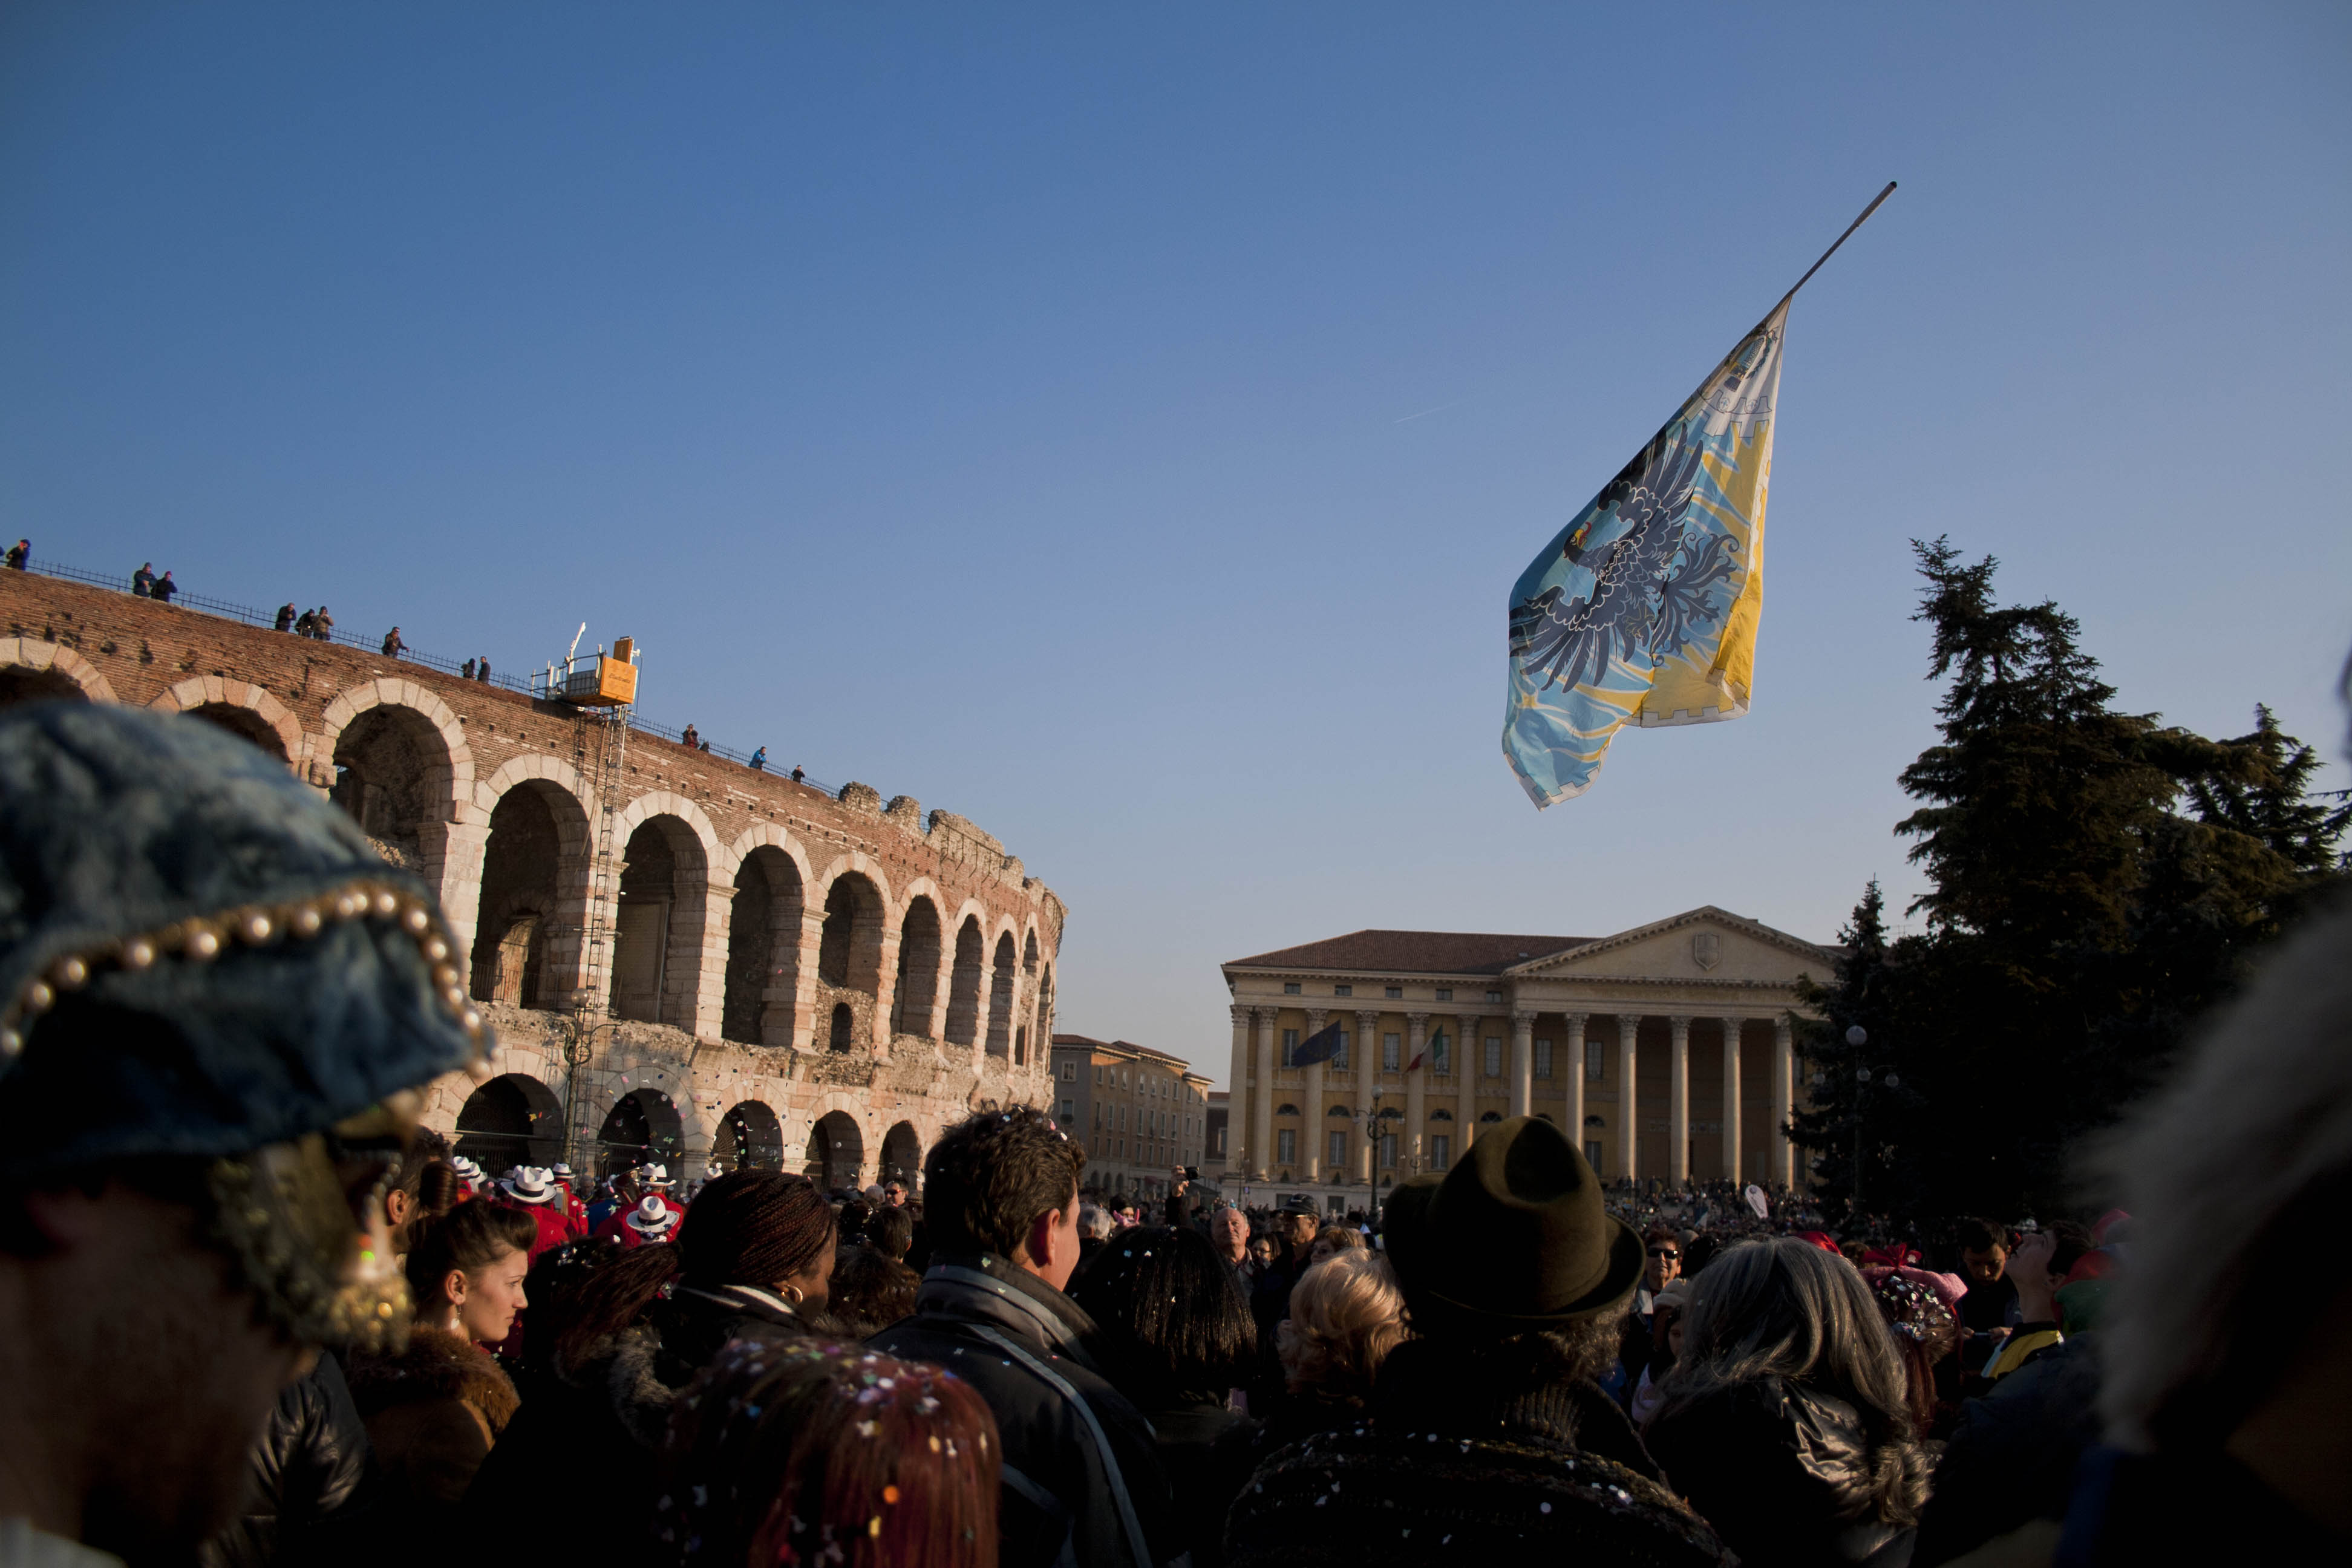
[{"x": 251, "y": 1313}]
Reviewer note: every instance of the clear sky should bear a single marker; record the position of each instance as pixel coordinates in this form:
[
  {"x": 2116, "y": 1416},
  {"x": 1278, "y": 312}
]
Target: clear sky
[{"x": 1122, "y": 425}]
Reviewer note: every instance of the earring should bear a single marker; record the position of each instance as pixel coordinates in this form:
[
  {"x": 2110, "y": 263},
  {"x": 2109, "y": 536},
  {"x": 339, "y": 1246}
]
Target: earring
[{"x": 794, "y": 1294}]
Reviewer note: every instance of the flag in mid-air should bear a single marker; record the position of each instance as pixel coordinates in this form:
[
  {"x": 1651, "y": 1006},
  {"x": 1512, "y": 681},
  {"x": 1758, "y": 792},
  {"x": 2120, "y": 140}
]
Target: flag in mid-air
[{"x": 1643, "y": 609}]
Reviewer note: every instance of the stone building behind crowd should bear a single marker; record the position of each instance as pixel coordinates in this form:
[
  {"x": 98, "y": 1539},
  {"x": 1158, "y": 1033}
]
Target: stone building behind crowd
[
  {"x": 1140, "y": 1113},
  {"x": 1621, "y": 1039},
  {"x": 796, "y": 979}
]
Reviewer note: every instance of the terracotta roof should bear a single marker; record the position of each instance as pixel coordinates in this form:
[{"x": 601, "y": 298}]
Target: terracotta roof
[
  {"x": 1414, "y": 953},
  {"x": 1087, "y": 1042}
]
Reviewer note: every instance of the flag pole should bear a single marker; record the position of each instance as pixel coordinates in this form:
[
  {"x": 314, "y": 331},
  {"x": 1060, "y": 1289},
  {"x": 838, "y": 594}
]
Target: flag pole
[{"x": 1832, "y": 250}]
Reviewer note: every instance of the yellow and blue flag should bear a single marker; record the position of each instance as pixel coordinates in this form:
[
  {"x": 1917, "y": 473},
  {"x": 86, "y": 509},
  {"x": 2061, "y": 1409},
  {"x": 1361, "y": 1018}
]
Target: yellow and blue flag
[{"x": 1643, "y": 609}]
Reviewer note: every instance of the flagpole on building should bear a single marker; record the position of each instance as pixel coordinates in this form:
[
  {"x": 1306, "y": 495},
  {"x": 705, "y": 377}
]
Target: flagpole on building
[{"x": 1832, "y": 250}]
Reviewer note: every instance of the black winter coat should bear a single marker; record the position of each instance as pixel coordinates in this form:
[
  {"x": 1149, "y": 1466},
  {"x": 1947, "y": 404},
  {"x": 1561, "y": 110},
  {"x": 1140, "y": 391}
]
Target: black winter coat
[
  {"x": 1459, "y": 1465},
  {"x": 311, "y": 1490},
  {"x": 1082, "y": 1474},
  {"x": 1783, "y": 1473},
  {"x": 1208, "y": 1452}
]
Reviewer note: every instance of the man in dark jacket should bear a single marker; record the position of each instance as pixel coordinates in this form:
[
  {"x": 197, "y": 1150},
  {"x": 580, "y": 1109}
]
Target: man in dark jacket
[
  {"x": 1082, "y": 1482},
  {"x": 308, "y": 1498},
  {"x": 1488, "y": 1440}
]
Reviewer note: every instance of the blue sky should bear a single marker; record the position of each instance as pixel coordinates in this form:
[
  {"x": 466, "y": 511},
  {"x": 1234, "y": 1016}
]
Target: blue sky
[{"x": 1122, "y": 425}]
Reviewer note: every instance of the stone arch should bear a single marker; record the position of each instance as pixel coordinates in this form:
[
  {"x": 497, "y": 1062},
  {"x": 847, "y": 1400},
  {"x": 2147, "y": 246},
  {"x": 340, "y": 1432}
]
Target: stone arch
[
  {"x": 920, "y": 953},
  {"x": 512, "y": 1120},
  {"x": 244, "y": 709},
  {"x": 763, "y": 948},
  {"x": 837, "y": 1151},
  {"x": 32, "y": 670},
  {"x": 534, "y": 896},
  {"x": 661, "y": 915},
  {"x": 448, "y": 764},
  {"x": 964, "y": 983},
  {"x": 841, "y": 1031},
  {"x": 1029, "y": 1028},
  {"x": 750, "y": 1137},
  {"x": 400, "y": 767},
  {"x": 852, "y": 939},
  {"x": 642, "y": 1128},
  {"x": 902, "y": 1155},
  {"x": 1003, "y": 967}
]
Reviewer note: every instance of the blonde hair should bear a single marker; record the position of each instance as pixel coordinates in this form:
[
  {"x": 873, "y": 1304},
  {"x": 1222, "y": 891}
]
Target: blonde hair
[{"x": 1346, "y": 1315}]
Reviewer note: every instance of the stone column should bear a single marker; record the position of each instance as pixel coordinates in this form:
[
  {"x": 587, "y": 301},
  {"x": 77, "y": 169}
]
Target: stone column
[
  {"x": 1311, "y": 1157},
  {"x": 1523, "y": 1050},
  {"x": 886, "y": 991},
  {"x": 1237, "y": 1096},
  {"x": 1469, "y": 1063},
  {"x": 1416, "y": 1108},
  {"x": 1678, "y": 1103},
  {"x": 452, "y": 853},
  {"x": 1629, "y": 1120},
  {"x": 1367, "y": 1059},
  {"x": 1781, "y": 1167},
  {"x": 1574, "y": 1046},
  {"x": 1731, "y": 1129},
  {"x": 1261, "y": 1142},
  {"x": 808, "y": 1029}
]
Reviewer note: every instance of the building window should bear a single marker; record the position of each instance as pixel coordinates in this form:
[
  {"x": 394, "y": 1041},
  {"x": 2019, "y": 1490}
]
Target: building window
[
  {"x": 1343, "y": 991},
  {"x": 1388, "y": 1151},
  {"x": 1221, "y": 1142},
  {"x": 1441, "y": 1053},
  {"x": 1446, "y": 994},
  {"x": 1441, "y": 1151},
  {"x": 1592, "y": 1061},
  {"x": 1543, "y": 1058},
  {"x": 1339, "y": 1146},
  {"x": 1069, "y": 1072},
  {"x": 1392, "y": 1052},
  {"x": 1069, "y": 1111},
  {"x": 1286, "y": 1146},
  {"x": 1339, "y": 1061},
  {"x": 1396, "y": 992},
  {"x": 1290, "y": 988},
  {"x": 1493, "y": 996},
  {"x": 1290, "y": 1046},
  {"x": 1493, "y": 1057},
  {"x": 1592, "y": 1155}
]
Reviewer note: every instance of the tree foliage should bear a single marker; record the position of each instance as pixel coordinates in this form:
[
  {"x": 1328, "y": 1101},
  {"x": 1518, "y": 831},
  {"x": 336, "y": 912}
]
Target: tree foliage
[{"x": 2097, "y": 880}]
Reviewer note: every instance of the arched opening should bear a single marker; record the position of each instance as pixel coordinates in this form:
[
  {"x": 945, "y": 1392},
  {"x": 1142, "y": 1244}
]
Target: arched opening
[
  {"x": 849, "y": 954},
  {"x": 963, "y": 984},
  {"x": 1029, "y": 990},
  {"x": 392, "y": 775},
  {"x": 750, "y": 1138},
  {"x": 1000, "y": 998},
  {"x": 918, "y": 969},
  {"x": 837, "y": 1151},
  {"x": 511, "y": 1121},
  {"x": 657, "y": 937},
  {"x": 244, "y": 724},
  {"x": 843, "y": 1034},
  {"x": 21, "y": 684},
  {"x": 642, "y": 1128},
  {"x": 763, "y": 945},
  {"x": 902, "y": 1154},
  {"x": 536, "y": 832}
]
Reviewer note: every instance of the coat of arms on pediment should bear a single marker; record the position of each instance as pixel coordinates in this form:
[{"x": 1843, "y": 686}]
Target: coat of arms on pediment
[{"x": 1707, "y": 949}]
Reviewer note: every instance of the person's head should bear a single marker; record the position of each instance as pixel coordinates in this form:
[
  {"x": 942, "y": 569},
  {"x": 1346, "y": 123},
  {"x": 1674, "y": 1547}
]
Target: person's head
[
  {"x": 423, "y": 1184},
  {"x": 465, "y": 1269},
  {"x": 759, "y": 1227},
  {"x": 1789, "y": 1309},
  {"x": 1334, "y": 1238},
  {"x": 894, "y": 1193},
  {"x": 1667, "y": 1311},
  {"x": 215, "y": 996},
  {"x": 1925, "y": 1330},
  {"x": 1663, "y": 1255},
  {"x": 1173, "y": 1321},
  {"x": 891, "y": 1233},
  {"x": 1984, "y": 1251},
  {"x": 1299, "y": 1227},
  {"x": 1094, "y": 1223},
  {"x": 1264, "y": 1249},
  {"x": 1006, "y": 1182},
  {"x": 871, "y": 1290},
  {"x": 1229, "y": 1229},
  {"x": 802, "y": 1451},
  {"x": 1346, "y": 1315}
]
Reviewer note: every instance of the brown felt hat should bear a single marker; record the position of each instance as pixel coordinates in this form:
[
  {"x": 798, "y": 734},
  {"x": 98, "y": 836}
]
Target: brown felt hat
[{"x": 1515, "y": 1236}]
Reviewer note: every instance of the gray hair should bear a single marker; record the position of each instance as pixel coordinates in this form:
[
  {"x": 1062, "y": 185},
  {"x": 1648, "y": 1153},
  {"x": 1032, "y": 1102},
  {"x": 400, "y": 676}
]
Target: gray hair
[
  {"x": 2251, "y": 1141},
  {"x": 1094, "y": 1220},
  {"x": 1787, "y": 1308}
]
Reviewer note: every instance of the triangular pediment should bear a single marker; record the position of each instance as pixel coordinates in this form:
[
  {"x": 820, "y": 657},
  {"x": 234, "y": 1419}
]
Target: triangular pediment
[{"x": 1701, "y": 944}]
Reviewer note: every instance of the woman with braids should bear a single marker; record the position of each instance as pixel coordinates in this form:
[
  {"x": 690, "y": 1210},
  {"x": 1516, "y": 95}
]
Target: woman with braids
[
  {"x": 435, "y": 1411},
  {"x": 755, "y": 1254},
  {"x": 1787, "y": 1417},
  {"x": 799, "y": 1451}
]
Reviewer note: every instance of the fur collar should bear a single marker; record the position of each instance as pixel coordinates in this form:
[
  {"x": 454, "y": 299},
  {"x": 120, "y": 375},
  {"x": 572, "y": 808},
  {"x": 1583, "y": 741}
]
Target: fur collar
[{"x": 435, "y": 1366}]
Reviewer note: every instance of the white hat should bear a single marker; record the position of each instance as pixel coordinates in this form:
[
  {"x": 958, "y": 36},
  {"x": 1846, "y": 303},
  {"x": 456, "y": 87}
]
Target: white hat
[
  {"x": 528, "y": 1185},
  {"x": 652, "y": 1219},
  {"x": 560, "y": 1171},
  {"x": 468, "y": 1171},
  {"x": 654, "y": 1176}
]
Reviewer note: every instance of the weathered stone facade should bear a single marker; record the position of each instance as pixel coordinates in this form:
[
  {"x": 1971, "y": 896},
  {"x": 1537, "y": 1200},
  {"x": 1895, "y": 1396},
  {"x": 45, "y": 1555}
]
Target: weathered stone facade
[{"x": 793, "y": 978}]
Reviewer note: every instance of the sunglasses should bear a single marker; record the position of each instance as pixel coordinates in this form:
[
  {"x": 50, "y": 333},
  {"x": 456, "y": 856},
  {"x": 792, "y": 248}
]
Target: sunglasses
[{"x": 1664, "y": 1252}]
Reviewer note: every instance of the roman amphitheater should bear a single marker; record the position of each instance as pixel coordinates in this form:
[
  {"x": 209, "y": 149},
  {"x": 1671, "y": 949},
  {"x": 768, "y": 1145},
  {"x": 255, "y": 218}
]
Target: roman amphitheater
[{"x": 780, "y": 975}]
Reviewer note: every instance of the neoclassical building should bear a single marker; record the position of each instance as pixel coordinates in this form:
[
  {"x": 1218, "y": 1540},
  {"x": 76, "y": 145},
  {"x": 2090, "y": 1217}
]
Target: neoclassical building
[
  {"x": 1667, "y": 1049},
  {"x": 772, "y": 973}
]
